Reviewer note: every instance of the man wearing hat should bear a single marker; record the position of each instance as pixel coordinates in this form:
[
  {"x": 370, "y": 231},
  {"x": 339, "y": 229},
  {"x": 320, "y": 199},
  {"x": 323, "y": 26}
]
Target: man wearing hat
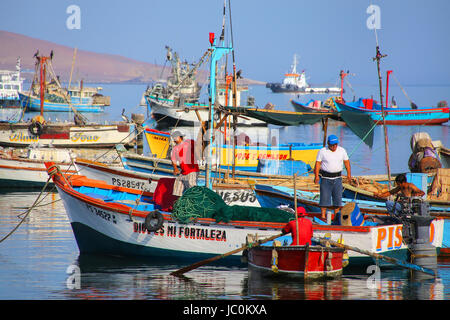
[
  {"x": 301, "y": 229},
  {"x": 329, "y": 164},
  {"x": 184, "y": 155}
]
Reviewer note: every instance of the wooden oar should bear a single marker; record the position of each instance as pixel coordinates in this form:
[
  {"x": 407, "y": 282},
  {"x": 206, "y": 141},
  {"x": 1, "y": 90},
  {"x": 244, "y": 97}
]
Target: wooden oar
[
  {"x": 220, "y": 256},
  {"x": 400, "y": 263}
]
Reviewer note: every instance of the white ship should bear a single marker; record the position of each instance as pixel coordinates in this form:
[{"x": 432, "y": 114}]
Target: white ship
[
  {"x": 296, "y": 82},
  {"x": 10, "y": 85}
]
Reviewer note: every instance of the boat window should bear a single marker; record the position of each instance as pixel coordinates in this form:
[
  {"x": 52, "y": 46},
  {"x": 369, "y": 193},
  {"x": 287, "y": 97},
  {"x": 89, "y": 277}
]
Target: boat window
[
  {"x": 7, "y": 86},
  {"x": 1, "y": 86}
]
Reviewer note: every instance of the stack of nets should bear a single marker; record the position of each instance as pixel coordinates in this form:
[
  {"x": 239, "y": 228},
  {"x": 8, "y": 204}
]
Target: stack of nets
[{"x": 201, "y": 202}]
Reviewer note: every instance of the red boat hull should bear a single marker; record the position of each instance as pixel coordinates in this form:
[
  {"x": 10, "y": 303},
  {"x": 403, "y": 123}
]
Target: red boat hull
[{"x": 309, "y": 263}]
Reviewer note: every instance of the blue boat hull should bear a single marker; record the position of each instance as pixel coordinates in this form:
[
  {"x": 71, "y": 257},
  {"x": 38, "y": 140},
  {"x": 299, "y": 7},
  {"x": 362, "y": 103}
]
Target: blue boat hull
[
  {"x": 34, "y": 104},
  {"x": 398, "y": 116}
]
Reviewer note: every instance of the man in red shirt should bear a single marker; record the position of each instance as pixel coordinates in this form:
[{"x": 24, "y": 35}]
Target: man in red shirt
[
  {"x": 184, "y": 155},
  {"x": 305, "y": 231}
]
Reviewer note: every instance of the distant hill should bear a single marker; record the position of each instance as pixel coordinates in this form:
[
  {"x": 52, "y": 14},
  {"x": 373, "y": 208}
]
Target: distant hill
[{"x": 90, "y": 66}]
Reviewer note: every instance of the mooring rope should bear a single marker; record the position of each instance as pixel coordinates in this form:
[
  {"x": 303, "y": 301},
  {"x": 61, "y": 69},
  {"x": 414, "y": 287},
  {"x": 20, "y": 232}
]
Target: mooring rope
[{"x": 51, "y": 171}]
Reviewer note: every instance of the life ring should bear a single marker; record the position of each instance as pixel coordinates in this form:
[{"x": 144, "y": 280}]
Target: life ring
[
  {"x": 35, "y": 128},
  {"x": 154, "y": 221}
]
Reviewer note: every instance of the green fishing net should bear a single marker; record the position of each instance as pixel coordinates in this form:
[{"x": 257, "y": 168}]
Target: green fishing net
[{"x": 201, "y": 202}]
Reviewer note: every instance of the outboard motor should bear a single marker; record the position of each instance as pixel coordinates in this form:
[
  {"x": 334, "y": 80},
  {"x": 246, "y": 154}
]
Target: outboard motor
[{"x": 416, "y": 220}]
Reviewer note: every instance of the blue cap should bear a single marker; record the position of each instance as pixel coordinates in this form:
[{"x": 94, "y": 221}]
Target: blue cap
[{"x": 332, "y": 139}]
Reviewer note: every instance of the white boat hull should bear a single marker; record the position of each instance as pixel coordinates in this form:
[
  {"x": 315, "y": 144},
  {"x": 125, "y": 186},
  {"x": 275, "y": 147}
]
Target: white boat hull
[
  {"x": 163, "y": 111},
  {"x": 66, "y": 135},
  {"x": 120, "y": 177}
]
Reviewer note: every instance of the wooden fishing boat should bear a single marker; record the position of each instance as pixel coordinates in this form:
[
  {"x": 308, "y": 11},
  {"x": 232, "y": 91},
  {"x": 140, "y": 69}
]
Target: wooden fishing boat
[
  {"x": 231, "y": 193},
  {"x": 28, "y": 170},
  {"x": 81, "y": 99},
  {"x": 315, "y": 106},
  {"x": 67, "y": 135},
  {"x": 61, "y": 134},
  {"x": 108, "y": 220},
  {"x": 246, "y": 157},
  {"x": 177, "y": 102},
  {"x": 271, "y": 196},
  {"x": 396, "y": 116},
  {"x": 47, "y": 94},
  {"x": 307, "y": 262}
]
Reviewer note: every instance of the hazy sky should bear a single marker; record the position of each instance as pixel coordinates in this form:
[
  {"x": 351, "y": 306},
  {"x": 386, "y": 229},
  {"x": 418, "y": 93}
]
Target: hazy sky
[{"x": 328, "y": 35}]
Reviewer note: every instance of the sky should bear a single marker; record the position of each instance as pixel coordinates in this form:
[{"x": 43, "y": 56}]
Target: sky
[{"x": 327, "y": 35}]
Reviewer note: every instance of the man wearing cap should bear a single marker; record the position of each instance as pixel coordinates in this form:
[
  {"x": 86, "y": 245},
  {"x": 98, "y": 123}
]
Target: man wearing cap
[
  {"x": 184, "y": 155},
  {"x": 329, "y": 164},
  {"x": 304, "y": 227}
]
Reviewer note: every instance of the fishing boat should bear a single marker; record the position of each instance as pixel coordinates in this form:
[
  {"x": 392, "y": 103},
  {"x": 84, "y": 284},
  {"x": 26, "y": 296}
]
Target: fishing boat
[
  {"x": 397, "y": 116},
  {"x": 82, "y": 99},
  {"x": 47, "y": 94},
  {"x": 382, "y": 113},
  {"x": 79, "y": 133},
  {"x": 178, "y": 102},
  {"x": 295, "y": 82},
  {"x": 115, "y": 220},
  {"x": 66, "y": 134},
  {"x": 305, "y": 262},
  {"x": 232, "y": 194},
  {"x": 247, "y": 157},
  {"x": 271, "y": 196},
  {"x": 315, "y": 106},
  {"x": 11, "y": 84},
  {"x": 27, "y": 170}
]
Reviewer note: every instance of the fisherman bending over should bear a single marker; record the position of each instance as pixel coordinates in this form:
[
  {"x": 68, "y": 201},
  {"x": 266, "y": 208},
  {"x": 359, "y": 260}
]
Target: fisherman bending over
[{"x": 404, "y": 189}]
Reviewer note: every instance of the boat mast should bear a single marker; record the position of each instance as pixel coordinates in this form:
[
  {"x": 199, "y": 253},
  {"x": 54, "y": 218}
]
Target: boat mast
[
  {"x": 377, "y": 58},
  {"x": 342, "y": 75},
  {"x": 42, "y": 63},
  {"x": 216, "y": 55},
  {"x": 387, "y": 86},
  {"x": 234, "y": 92}
]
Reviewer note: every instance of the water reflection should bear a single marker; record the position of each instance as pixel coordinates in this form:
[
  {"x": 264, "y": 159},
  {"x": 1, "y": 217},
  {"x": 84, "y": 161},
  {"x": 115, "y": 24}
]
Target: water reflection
[{"x": 106, "y": 277}]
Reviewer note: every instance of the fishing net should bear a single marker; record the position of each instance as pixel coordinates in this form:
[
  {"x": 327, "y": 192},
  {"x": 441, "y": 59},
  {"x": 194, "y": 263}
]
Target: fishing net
[{"x": 201, "y": 202}]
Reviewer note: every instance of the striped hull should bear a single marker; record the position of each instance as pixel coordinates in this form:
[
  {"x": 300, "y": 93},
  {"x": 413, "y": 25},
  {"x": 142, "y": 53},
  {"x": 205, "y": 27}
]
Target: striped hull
[
  {"x": 117, "y": 228},
  {"x": 428, "y": 116},
  {"x": 165, "y": 112},
  {"x": 23, "y": 173},
  {"x": 231, "y": 194},
  {"x": 67, "y": 135},
  {"x": 34, "y": 104},
  {"x": 246, "y": 158}
]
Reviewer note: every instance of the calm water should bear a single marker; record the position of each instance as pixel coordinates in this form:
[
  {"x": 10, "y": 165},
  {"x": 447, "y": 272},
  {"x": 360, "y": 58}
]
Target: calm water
[
  {"x": 38, "y": 259},
  {"x": 35, "y": 263}
]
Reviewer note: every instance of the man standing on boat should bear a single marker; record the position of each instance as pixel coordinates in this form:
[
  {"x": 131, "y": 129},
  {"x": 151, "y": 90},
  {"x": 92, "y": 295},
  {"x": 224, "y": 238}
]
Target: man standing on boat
[
  {"x": 328, "y": 168},
  {"x": 184, "y": 155},
  {"x": 301, "y": 229}
]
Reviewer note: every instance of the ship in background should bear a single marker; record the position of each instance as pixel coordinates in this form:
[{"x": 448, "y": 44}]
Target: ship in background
[
  {"x": 295, "y": 82},
  {"x": 10, "y": 85}
]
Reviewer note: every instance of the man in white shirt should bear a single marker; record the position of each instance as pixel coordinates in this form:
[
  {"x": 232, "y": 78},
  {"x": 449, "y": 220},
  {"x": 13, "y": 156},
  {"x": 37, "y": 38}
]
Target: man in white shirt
[{"x": 329, "y": 164}]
